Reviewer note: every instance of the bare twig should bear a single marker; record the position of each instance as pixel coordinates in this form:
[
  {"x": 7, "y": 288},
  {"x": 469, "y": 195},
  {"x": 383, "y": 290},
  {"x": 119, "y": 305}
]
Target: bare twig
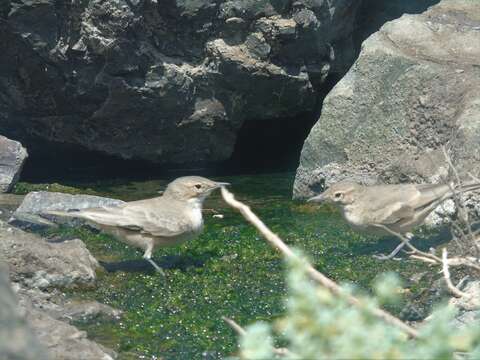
[
  {"x": 241, "y": 332},
  {"x": 446, "y": 274},
  {"x": 473, "y": 177},
  {"x": 238, "y": 329},
  {"x": 431, "y": 258},
  {"x": 407, "y": 243},
  {"x": 463, "y": 212},
  {"x": 317, "y": 276},
  {"x": 423, "y": 258}
]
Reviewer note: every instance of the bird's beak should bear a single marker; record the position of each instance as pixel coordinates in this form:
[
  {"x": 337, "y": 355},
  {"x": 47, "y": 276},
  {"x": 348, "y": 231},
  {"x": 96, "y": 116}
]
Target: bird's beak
[
  {"x": 222, "y": 184},
  {"x": 318, "y": 198}
]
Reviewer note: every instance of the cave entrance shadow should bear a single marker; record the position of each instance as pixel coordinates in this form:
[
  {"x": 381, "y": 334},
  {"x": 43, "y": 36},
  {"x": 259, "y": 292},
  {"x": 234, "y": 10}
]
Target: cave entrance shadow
[
  {"x": 372, "y": 14},
  {"x": 385, "y": 245},
  {"x": 181, "y": 262}
]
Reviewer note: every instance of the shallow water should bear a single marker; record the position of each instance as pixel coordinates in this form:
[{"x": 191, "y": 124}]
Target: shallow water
[{"x": 228, "y": 271}]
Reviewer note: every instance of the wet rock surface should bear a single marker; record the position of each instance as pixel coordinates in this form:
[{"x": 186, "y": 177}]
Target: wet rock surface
[
  {"x": 12, "y": 157},
  {"x": 165, "y": 81},
  {"x": 413, "y": 89}
]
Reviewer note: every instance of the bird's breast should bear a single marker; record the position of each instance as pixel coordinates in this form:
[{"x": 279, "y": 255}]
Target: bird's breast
[
  {"x": 352, "y": 216},
  {"x": 196, "y": 219}
]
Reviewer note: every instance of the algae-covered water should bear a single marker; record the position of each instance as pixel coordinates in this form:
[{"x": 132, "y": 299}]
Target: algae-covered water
[{"x": 228, "y": 271}]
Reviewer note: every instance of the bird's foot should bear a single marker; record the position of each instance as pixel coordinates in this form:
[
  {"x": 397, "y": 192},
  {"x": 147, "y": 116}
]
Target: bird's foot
[
  {"x": 392, "y": 254},
  {"x": 386, "y": 257},
  {"x": 157, "y": 268}
]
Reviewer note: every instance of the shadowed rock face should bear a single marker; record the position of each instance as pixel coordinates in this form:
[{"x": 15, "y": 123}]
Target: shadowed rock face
[
  {"x": 414, "y": 88},
  {"x": 166, "y": 81}
]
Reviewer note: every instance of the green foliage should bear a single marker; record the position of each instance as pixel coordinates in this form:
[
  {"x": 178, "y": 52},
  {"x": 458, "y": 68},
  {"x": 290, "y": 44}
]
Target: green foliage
[{"x": 319, "y": 325}]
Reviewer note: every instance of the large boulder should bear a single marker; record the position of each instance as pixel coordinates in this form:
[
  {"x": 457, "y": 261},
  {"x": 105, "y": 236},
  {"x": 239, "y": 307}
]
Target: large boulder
[
  {"x": 167, "y": 81},
  {"x": 413, "y": 90},
  {"x": 37, "y": 263},
  {"x": 12, "y": 157},
  {"x": 17, "y": 340}
]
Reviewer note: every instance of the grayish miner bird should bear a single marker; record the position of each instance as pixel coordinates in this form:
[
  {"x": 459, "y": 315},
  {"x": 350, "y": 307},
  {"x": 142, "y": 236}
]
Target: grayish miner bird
[
  {"x": 167, "y": 220},
  {"x": 399, "y": 208}
]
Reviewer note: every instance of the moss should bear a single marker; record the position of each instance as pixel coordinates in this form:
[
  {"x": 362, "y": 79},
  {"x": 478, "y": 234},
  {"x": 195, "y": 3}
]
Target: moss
[
  {"x": 228, "y": 271},
  {"x": 23, "y": 188}
]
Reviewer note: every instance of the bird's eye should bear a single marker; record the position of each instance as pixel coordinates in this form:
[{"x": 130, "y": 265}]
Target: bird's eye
[
  {"x": 338, "y": 195},
  {"x": 198, "y": 186}
]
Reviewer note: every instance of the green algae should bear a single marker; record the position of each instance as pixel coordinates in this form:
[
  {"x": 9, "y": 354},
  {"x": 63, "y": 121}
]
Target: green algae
[
  {"x": 228, "y": 271},
  {"x": 23, "y": 188}
]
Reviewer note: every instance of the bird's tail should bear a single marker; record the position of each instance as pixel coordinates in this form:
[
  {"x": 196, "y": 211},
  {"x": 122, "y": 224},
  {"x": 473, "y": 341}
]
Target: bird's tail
[
  {"x": 471, "y": 186},
  {"x": 70, "y": 213}
]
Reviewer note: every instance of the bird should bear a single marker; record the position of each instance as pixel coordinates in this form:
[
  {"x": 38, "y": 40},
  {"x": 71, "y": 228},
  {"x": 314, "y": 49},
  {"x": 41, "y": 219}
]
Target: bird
[
  {"x": 166, "y": 220},
  {"x": 383, "y": 209}
]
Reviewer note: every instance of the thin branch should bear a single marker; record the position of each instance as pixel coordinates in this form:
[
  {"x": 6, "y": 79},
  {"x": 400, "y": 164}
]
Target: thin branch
[
  {"x": 317, "y": 276},
  {"x": 446, "y": 274},
  {"x": 431, "y": 258},
  {"x": 237, "y": 328},
  {"x": 241, "y": 332},
  {"x": 407, "y": 243},
  {"x": 474, "y": 177},
  {"x": 423, "y": 258},
  {"x": 459, "y": 203}
]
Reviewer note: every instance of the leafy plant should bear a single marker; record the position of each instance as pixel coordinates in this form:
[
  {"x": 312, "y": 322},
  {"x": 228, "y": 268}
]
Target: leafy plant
[{"x": 320, "y": 325}]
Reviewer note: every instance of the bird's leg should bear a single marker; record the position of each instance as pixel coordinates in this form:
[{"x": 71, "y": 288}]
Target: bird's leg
[
  {"x": 148, "y": 256},
  {"x": 400, "y": 246},
  {"x": 158, "y": 268}
]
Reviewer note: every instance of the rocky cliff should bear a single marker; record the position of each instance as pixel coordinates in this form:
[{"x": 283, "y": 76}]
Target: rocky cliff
[{"x": 166, "y": 81}]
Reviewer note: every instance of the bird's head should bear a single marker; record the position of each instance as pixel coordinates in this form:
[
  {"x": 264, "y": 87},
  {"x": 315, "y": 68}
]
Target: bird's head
[
  {"x": 341, "y": 193},
  {"x": 192, "y": 188}
]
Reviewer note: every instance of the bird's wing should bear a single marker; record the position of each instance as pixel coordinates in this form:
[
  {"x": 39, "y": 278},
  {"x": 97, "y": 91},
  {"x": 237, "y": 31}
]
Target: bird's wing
[
  {"x": 161, "y": 222},
  {"x": 430, "y": 193},
  {"x": 395, "y": 203},
  {"x": 398, "y": 213}
]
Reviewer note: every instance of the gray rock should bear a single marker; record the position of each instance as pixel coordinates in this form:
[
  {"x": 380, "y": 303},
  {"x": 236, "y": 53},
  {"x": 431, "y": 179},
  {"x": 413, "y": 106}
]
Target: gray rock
[
  {"x": 12, "y": 157},
  {"x": 57, "y": 305},
  {"x": 167, "y": 81},
  {"x": 8, "y": 204},
  {"x": 469, "y": 307},
  {"x": 413, "y": 89},
  {"x": 17, "y": 341},
  {"x": 64, "y": 341},
  {"x": 28, "y": 214},
  {"x": 37, "y": 263},
  {"x": 472, "y": 301}
]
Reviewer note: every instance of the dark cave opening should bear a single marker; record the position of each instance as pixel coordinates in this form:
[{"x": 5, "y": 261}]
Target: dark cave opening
[
  {"x": 271, "y": 145},
  {"x": 372, "y": 14},
  {"x": 262, "y": 146}
]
